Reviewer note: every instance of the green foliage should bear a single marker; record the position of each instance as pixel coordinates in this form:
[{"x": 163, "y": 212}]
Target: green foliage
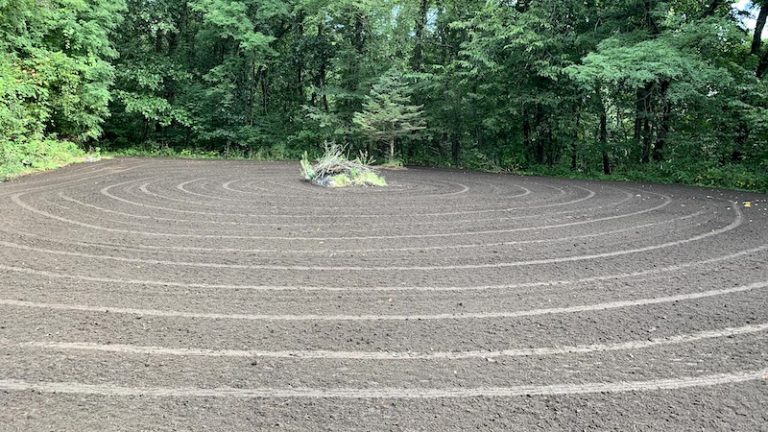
[
  {"x": 388, "y": 113},
  {"x": 60, "y": 54},
  {"x": 154, "y": 149},
  {"x": 55, "y": 75},
  {"x": 339, "y": 181},
  {"x": 30, "y": 156},
  {"x": 307, "y": 171},
  {"x": 730, "y": 176},
  {"x": 351, "y": 178},
  {"x": 369, "y": 178},
  {"x": 672, "y": 90}
]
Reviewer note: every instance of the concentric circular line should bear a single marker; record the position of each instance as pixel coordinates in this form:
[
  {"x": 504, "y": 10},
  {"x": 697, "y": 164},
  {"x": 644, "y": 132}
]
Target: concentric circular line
[
  {"x": 385, "y": 392},
  {"x": 381, "y": 249},
  {"x": 313, "y": 280},
  {"x": 336, "y": 224},
  {"x": 106, "y": 191},
  {"x": 182, "y": 187},
  {"x": 393, "y": 356},
  {"x": 378, "y": 317},
  {"x": 737, "y": 221},
  {"x": 388, "y": 288},
  {"x": 64, "y": 183},
  {"x": 17, "y": 200}
]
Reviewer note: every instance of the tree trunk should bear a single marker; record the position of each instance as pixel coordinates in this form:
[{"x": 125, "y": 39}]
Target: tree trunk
[
  {"x": 421, "y": 22},
  {"x": 762, "y": 67},
  {"x": 602, "y": 137},
  {"x": 392, "y": 149},
  {"x": 639, "y": 110},
  {"x": 647, "y": 90},
  {"x": 575, "y": 139},
  {"x": 300, "y": 81},
  {"x": 606, "y": 163},
  {"x": 538, "y": 143},
  {"x": 264, "y": 89},
  {"x": 456, "y": 150},
  {"x": 360, "y": 20},
  {"x": 649, "y": 6},
  {"x": 573, "y": 156},
  {"x": 757, "y": 38},
  {"x": 299, "y": 30},
  {"x": 551, "y": 148},
  {"x": 646, "y": 140},
  {"x": 664, "y": 124},
  {"x": 526, "y": 131},
  {"x": 643, "y": 121},
  {"x": 322, "y": 86},
  {"x": 539, "y": 148},
  {"x": 144, "y": 131},
  {"x": 321, "y": 74}
]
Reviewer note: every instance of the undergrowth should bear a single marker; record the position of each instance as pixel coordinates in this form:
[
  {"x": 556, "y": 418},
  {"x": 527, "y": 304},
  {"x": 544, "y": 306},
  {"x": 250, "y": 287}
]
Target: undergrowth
[
  {"x": 39, "y": 155},
  {"x": 20, "y": 158},
  {"x": 737, "y": 177},
  {"x": 193, "y": 153}
]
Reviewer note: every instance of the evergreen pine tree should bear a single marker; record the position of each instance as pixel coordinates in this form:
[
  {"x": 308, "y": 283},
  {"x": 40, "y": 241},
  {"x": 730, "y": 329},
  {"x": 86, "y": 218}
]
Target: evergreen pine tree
[{"x": 388, "y": 113}]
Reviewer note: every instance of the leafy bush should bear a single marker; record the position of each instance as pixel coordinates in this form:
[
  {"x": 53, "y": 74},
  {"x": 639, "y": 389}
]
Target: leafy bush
[{"x": 17, "y": 158}]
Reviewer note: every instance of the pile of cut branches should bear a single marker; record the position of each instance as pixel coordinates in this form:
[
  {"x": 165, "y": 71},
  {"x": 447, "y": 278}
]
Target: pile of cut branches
[{"x": 334, "y": 169}]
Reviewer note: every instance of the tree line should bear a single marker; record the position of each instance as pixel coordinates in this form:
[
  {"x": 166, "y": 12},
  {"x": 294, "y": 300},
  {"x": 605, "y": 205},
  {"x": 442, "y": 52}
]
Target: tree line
[{"x": 676, "y": 88}]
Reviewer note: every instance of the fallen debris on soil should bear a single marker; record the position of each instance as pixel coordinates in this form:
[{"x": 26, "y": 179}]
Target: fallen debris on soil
[{"x": 334, "y": 169}]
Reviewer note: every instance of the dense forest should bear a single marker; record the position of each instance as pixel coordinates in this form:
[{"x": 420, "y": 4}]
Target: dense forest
[{"x": 670, "y": 90}]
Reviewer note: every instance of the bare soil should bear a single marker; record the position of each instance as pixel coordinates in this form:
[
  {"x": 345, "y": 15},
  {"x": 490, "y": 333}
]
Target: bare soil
[{"x": 171, "y": 295}]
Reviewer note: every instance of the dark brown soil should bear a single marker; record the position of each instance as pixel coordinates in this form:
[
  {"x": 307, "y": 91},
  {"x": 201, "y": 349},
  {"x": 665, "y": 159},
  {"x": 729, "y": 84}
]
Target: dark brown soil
[{"x": 231, "y": 296}]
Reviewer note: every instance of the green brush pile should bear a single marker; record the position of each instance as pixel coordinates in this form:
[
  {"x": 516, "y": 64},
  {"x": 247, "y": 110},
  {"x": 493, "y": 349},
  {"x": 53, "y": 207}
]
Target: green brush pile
[{"x": 334, "y": 169}]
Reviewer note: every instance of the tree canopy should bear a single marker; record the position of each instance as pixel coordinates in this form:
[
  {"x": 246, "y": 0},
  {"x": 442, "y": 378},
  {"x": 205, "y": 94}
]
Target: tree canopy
[{"x": 675, "y": 88}]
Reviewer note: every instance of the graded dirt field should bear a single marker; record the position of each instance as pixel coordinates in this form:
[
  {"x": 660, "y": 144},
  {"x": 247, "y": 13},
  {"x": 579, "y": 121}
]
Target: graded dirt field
[{"x": 170, "y": 295}]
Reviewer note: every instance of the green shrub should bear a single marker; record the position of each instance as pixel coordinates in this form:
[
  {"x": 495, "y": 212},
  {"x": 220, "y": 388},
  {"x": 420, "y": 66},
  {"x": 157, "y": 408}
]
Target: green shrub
[{"x": 18, "y": 158}]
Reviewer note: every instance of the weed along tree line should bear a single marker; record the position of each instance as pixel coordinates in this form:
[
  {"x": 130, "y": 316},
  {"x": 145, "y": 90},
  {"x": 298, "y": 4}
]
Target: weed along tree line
[{"x": 647, "y": 89}]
